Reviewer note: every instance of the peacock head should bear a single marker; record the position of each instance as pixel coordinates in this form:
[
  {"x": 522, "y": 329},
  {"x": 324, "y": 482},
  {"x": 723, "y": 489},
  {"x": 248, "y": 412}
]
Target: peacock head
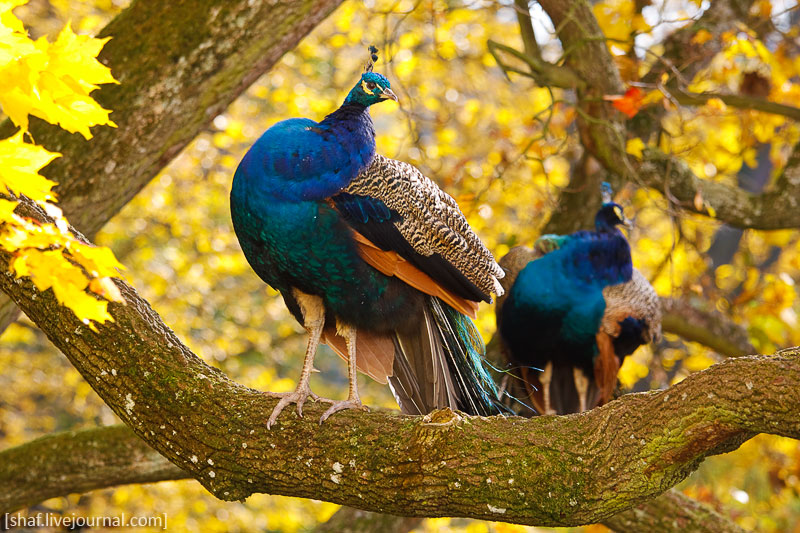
[
  {"x": 370, "y": 89},
  {"x": 609, "y": 216}
]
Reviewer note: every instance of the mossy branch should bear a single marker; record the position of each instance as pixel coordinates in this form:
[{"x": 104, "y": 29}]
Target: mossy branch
[
  {"x": 554, "y": 471},
  {"x": 78, "y": 461}
]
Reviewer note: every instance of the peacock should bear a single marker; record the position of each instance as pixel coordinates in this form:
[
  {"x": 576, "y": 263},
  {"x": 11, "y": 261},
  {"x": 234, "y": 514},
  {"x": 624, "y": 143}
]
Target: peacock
[
  {"x": 369, "y": 256},
  {"x": 575, "y": 308}
]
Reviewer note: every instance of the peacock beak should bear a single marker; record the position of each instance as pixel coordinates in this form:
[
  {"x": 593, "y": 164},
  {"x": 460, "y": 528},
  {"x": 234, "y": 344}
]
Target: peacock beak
[{"x": 387, "y": 93}]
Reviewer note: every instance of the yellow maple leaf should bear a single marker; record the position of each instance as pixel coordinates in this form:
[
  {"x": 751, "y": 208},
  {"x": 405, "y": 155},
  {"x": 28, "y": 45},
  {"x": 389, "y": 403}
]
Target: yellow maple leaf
[
  {"x": 20, "y": 163},
  {"x": 53, "y": 80},
  {"x": 702, "y": 36},
  {"x": 7, "y": 209},
  {"x": 74, "y": 57},
  {"x": 99, "y": 261},
  {"x": 49, "y": 269},
  {"x": 7, "y": 17},
  {"x": 84, "y": 305},
  {"x": 635, "y": 147}
]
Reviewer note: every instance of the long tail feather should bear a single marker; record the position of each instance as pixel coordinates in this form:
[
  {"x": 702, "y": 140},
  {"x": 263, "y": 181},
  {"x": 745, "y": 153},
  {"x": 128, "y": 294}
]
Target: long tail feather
[{"x": 441, "y": 365}]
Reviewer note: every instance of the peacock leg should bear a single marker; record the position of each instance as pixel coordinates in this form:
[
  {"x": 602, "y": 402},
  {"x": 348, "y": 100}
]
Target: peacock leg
[
  {"x": 544, "y": 379},
  {"x": 582, "y": 386},
  {"x": 313, "y": 320},
  {"x": 352, "y": 401}
]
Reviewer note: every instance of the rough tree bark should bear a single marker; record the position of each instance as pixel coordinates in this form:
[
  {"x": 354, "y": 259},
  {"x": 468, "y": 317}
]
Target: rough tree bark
[
  {"x": 78, "y": 461},
  {"x": 553, "y": 471},
  {"x": 197, "y": 58}
]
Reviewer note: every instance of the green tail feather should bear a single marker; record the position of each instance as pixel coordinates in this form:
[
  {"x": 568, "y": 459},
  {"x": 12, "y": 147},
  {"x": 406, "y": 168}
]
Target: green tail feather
[{"x": 476, "y": 390}]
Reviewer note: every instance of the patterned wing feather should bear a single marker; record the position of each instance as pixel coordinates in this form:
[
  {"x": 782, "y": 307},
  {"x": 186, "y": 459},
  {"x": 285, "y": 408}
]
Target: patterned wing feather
[
  {"x": 635, "y": 298},
  {"x": 429, "y": 220}
]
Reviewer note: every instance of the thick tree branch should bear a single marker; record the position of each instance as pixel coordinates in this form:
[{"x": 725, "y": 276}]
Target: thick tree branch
[
  {"x": 672, "y": 512},
  {"x": 707, "y": 327},
  {"x": 774, "y": 209},
  {"x": 546, "y": 470},
  {"x": 194, "y": 60},
  {"x": 351, "y": 520},
  {"x": 78, "y": 461}
]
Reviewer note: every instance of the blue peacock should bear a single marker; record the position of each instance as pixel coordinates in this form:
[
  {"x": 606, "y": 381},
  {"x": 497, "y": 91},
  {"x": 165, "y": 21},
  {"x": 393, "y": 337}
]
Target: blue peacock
[
  {"x": 369, "y": 256},
  {"x": 574, "y": 309}
]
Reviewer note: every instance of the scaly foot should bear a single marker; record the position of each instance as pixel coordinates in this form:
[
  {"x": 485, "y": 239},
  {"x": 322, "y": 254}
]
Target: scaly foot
[
  {"x": 341, "y": 406},
  {"x": 298, "y": 397}
]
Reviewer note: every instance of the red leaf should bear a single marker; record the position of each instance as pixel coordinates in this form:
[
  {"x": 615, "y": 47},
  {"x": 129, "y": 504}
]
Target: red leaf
[{"x": 630, "y": 103}]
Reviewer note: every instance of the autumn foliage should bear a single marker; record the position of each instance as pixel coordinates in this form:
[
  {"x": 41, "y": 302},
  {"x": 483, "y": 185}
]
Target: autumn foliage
[{"x": 51, "y": 81}]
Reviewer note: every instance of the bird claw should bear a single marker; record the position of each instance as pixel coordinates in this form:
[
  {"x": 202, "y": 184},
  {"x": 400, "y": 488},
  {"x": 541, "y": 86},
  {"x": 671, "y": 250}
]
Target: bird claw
[
  {"x": 297, "y": 397},
  {"x": 341, "y": 406}
]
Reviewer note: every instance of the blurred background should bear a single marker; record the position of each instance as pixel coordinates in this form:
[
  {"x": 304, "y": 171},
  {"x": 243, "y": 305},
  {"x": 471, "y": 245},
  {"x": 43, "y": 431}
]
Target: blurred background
[{"x": 504, "y": 150}]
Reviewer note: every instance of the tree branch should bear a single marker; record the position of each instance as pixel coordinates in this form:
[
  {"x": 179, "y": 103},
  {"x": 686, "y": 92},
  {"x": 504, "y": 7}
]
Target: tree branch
[
  {"x": 196, "y": 59},
  {"x": 774, "y": 209},
  {"x": 526, "y": 28},
  {"x": 351, "y": 520},
  {"x": 709, "y": 328},
  {"x": 542, "y": 72},
  {"x": 736, "y": 100},
  {"x": 554, "y": 471},
  {"x": 78, "y": 461},
  {"x": 672, "y": 512}
]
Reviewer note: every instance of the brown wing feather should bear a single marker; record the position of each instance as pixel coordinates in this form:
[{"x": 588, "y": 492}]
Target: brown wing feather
[
  {"x": 374, "y": 352},
  {"x": 606, "y": 366},
  {"x": 391, "y": 264}
]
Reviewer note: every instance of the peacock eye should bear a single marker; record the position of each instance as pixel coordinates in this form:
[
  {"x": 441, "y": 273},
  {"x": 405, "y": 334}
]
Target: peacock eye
[{"x": 371, "y": 85}]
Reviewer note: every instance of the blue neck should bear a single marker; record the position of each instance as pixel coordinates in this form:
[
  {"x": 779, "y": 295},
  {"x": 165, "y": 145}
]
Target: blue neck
[{"x": 350, "y": 112}]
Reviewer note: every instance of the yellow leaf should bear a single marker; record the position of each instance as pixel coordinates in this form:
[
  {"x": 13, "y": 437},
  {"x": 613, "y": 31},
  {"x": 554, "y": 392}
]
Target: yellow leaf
[
  {"x": 7, "y": 17},
  {"x": 99, "y": 261},
  {"x": 52, "y": 80},
  {"x": 635, "y": 147},
  {"x": 20, "y": 163},
  {"x": 85, "y": 306},
  {"x": 49, "y": 269},
  {"x": 7, "y": 209},
  {"x": 640, "y": 24},
  {"x": 652, "y": 97},
  {"x": 701, "y": 37},
  {"x": 716, "y": 103}
]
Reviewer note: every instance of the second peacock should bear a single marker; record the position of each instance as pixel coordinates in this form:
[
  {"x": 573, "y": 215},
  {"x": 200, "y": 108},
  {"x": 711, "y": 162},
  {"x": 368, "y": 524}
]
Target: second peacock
[{"x": 575, "y": 307}]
